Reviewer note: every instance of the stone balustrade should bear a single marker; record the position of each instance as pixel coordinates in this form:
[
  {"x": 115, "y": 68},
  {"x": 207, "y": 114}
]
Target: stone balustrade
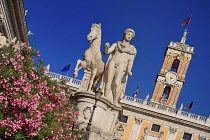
[
  {"x": 159, "y": 108},
  {"x": 163, "y": 109},
  {"x": 181, "y": 46},
  {"x": 70, "y": 81}
]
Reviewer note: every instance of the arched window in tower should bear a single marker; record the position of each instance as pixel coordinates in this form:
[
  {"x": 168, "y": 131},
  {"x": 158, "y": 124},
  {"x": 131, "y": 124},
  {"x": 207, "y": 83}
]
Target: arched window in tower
[
  {"x": 165, "y": 94},
  {"x": 175, "y": 65}
]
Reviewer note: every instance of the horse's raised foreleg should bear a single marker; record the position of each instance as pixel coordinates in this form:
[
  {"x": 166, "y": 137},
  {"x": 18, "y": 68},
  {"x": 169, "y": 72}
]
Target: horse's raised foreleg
[
  {"x": 76, "y": 71},
  {"x": 77, "y": 68}
]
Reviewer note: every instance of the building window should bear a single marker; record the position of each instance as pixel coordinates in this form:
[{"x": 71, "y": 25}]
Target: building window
[
  {"x": 175, "y": 65},
  {"x": 187, "y": 136},
  {"x": 155, "y": 128},
  {"x": 124, "y": 119}
]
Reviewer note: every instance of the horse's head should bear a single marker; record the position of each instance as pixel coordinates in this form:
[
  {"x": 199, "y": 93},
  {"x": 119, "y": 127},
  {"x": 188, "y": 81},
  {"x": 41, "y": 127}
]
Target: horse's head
[{"x": 95, "y": 32}]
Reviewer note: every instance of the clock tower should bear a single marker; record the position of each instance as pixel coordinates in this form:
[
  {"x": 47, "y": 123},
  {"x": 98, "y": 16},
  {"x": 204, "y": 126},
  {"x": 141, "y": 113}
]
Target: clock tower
[{"x": 171, "y": 78}]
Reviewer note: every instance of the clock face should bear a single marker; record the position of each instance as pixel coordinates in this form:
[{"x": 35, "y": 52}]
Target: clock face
[{"x": 171, "y": 78}]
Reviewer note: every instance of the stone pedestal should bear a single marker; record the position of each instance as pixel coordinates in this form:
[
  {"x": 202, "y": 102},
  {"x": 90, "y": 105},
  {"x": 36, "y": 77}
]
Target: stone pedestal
[{"x": 105, "y": 116}]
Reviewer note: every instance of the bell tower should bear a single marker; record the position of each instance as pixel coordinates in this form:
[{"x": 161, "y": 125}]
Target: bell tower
[{"x": 171, "y": 78}]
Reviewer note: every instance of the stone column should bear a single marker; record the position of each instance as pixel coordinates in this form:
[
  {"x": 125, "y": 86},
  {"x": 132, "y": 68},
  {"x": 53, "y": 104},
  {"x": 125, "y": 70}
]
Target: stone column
[
  {"x": 135, "y": 130},
  {"x": 104, "y": 119}
]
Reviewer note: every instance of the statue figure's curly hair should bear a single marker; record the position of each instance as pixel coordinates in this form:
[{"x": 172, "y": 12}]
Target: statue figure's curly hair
[{"x": 129, "y": 30}]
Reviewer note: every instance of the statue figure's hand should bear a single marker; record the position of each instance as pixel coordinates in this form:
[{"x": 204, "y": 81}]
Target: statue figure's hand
[
  {"x": 106, "y": 48},
  {"x": 129, "y": 73},
  {"x": 107, "y": 45}
]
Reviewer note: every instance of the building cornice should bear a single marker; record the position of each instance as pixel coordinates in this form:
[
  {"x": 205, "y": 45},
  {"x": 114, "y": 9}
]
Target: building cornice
[
  {"x": 20, "y": 20},
  {"x": 181, "y": 47},
  {"x": 14, "y": 20}
]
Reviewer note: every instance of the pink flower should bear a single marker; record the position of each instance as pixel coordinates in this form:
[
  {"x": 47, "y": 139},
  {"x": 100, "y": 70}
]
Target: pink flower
[
  {"x": 28, "y": 48},
  {"x": 20, "y": 103},
  {"x": 2, "y": 98},
  {"x": 3, "y": 56},
  {"x": 38, "y": 54},
  {"x": 22, "y": 57}
]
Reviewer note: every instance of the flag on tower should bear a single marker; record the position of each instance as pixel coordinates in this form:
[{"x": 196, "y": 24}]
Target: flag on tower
[
  {"x": 186, "y": 21},
  {"x": 189, "y": 106},
  {"x": 136, "y": 92},
  {"x": 160, "y": 99},
  {"x": 66, "y": 68}
]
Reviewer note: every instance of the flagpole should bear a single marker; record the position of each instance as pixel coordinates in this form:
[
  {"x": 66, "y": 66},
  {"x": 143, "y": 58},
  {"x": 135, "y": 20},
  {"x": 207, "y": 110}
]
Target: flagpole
[
  {"x": 191, "y": 106},
  {"x": 189, "y": 111},
  {"x": 68, "y": 73}
]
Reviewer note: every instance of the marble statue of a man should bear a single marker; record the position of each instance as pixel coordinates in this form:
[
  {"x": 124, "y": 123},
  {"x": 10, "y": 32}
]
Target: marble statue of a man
[{"x": 119, "y": 63}]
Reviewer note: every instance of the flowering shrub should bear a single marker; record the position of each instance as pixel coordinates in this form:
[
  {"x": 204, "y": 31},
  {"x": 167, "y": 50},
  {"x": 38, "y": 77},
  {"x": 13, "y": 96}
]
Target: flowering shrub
[{"x": 31, "y": 105}]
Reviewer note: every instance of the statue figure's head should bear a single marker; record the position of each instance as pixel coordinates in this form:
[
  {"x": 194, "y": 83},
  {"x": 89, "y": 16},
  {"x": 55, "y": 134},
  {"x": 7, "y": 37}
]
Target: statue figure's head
[{"x": 129, "y": 30}]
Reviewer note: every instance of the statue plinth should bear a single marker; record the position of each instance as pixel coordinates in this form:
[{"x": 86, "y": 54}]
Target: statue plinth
[{"x": 104, "y": 118}]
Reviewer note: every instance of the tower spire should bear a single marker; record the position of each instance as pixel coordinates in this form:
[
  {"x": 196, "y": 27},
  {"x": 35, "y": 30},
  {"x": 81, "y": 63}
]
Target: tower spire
[{"x": 184, "y": 36}]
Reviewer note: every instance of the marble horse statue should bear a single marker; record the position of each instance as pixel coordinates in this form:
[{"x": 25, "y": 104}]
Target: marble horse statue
[{"x": 92, "y": 60}]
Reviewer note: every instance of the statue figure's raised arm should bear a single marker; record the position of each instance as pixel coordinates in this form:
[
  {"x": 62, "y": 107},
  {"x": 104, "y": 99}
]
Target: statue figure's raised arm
[{"x": 109, "y": 49}]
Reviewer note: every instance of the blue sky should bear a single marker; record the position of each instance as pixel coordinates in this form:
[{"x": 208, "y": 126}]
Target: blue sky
[{"x": 60, "y": 30}]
